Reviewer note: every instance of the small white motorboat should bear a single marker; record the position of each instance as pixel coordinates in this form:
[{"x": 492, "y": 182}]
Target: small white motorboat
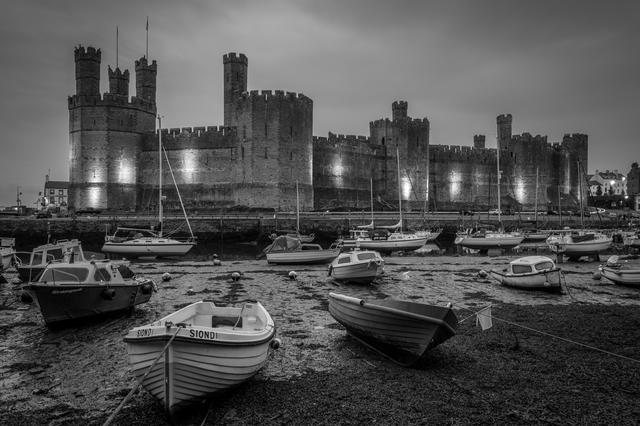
[
  {"x": 577, "y": 244},
  {"x": 622, "y": 270},
  {"x": 357, "y": 266},
  {"x": 207, "y": 349},
  {"x": 287, "y": 250},
  {"x": 487, "y": 240},
  {"x": 395, "y": 241},
  {"x": 531, "y": 272}
]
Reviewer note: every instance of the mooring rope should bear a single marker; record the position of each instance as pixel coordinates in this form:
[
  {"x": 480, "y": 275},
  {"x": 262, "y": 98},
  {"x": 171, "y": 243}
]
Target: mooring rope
[
  {"x": 544, "y": 333},
  {"x": 135, "y": 388}
]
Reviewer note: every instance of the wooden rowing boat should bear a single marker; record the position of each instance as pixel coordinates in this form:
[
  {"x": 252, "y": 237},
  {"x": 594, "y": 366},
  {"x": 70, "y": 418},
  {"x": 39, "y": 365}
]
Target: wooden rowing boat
[{"x": 400, "y": 330}]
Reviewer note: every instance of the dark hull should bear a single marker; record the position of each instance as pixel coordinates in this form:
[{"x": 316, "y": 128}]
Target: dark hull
[
  {"x": 66, "y": 303},
  {"x": 29, "y": 273},
  {"x": 400, "y": 330}
]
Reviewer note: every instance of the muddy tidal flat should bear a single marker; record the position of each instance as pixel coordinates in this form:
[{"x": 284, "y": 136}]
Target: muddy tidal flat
[{"x": 538, "y": 364}]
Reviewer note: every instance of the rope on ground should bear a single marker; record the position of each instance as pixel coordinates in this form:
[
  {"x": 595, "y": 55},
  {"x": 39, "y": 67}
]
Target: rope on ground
[
  {"x": 544, "y": 333},
  {"x": 135, "y": 388}
]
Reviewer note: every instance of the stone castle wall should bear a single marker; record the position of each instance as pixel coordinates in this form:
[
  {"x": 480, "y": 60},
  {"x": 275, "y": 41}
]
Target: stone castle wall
[{"x": 266, "y": 149}]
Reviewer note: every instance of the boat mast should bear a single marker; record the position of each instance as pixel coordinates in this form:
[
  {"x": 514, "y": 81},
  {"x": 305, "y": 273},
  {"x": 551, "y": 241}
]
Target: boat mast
[
  {"x": 160, "y": 174},
  {"x": 399, "y": 187},
  {"x": 499, "y": 176},
  {"x": 536, "y": 203},
  {"x": 371, "y": 192},
  {"x": 580, "y": 189},
  {"x": 297, "y": 210}
]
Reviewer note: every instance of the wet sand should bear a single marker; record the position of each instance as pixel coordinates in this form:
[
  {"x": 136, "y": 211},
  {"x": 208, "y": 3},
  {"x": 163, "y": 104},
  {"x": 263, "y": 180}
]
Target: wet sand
[{"x": 79, "y": 375}]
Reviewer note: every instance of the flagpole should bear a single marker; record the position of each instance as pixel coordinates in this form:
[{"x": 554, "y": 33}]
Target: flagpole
[
  {"x": 117, "y": 43},
  {"x": 146, "y": 55}
]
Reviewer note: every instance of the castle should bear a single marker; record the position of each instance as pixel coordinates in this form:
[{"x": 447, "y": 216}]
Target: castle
[{"x": 265, "y": 148}]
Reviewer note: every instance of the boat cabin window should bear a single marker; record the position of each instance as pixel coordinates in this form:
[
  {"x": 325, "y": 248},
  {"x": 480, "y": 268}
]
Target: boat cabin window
[
  {"x": 344, "y": 259},
  {"x": 36, "y": 258},
  {"x": 64, "y": 274},
  {"x": 542, "y": 266},
  {"x": 521, "y": 269},
  {"x": 101, "y": 274},
  {"x": 125, "y": 271},
  {"x": 365, "y": 256},
  {"x": 55, "y": 253}
]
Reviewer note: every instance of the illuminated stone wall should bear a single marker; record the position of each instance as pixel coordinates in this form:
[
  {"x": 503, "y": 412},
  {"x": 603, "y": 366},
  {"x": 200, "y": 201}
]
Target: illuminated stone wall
[{"x": 106, "y": 133}]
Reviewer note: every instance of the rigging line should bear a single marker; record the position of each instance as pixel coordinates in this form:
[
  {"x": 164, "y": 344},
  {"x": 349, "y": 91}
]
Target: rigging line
[
  {"x": 177, "y": 190},
  {"x": 544, "y": 333}
]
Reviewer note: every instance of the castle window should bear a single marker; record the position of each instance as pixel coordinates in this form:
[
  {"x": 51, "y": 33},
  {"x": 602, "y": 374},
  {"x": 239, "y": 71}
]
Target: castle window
[
  {"x": 265, "y": 129},
  {"x": 265, "y": 152},
  {"x": 382, "y": 141},
  {"x": 242, "y": 152},
  {"x": 237, "y": 76},
  {"x": 291, "y": 130},
  {"x": 291, "y": 156},
  {"x": 244, "y": 132}
]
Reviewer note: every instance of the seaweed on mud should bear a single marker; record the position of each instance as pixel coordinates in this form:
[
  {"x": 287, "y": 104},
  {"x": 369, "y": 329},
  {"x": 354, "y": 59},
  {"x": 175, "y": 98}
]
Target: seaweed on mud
[
  {"x": 168, "y": 287},
  {"x": 480, "y": 295},
  {"x": 207, "y": 291},
  {"x": 296, "y": 334},
  {"x": 335, "y": 326},
  {"x": 313, "y": 346},
  {"x": 305, "y": 297},
  {"x": 181, "y": 305},
  {"x": 27, "y": 366},
  {"x": 295, "y": 320},
  {"x": 320, "y": 308}
]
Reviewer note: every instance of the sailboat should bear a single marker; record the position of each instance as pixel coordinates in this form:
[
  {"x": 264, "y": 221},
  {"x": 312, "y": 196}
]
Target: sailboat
[
  {"x": 575, "y": 244},
  {"x": 487, "y": 240},
  {"x": 360, "y": 232},
  {"x": 135, "y": 242},
  {"x": 397, "y": 240},
  {"x": 296, "y": 234},
  {"x": 535, "y": 235}
]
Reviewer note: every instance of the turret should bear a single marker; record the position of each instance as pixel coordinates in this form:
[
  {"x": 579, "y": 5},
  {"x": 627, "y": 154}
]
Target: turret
[
  {"x": 119, "y": 82},
  {"x": 399, "y": 109},
  {"x": 87, "y": 71},
  {"x": 478, "y": 141},
  {"x": 235, "y": 83},
  {"x": 504, "y": 129},
  {"x": 146, "y": 80}
]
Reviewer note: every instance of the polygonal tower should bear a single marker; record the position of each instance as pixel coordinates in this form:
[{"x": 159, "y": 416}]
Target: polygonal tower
[
  {"x": 106, "y": 132},
  {"x": 235, "y": 83}
]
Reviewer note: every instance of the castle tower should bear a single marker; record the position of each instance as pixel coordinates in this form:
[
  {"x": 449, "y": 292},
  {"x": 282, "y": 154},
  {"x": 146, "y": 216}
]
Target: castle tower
[
  {"x": 106, "y": 133},
  {"x": 504, "y": 129},
  {"x": 87, "y": 71},
  {"x": 411, "y": 137},
  {"x": 399, "y": 110},
  {"x": 146, "y": 80},
  {"x": 119, "y": 82},
  {"x": 478, "y": 141},
  {"x": 235, "y": 83}
]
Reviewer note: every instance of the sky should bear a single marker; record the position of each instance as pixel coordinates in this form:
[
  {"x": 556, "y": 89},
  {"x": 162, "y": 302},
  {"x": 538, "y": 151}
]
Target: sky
[{"x": 557, "y": 66}]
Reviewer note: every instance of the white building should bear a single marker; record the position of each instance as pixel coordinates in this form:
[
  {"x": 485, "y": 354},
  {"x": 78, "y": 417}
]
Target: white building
[{"x": 610, "y": 183}]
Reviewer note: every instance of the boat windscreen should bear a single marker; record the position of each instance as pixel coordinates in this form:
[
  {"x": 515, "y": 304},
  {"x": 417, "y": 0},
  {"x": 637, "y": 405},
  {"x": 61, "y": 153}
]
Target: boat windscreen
[
  {"x": 521, "y": 269},
  {"x": 366, "y": 256},
  {"x": 52, "y": 275}
]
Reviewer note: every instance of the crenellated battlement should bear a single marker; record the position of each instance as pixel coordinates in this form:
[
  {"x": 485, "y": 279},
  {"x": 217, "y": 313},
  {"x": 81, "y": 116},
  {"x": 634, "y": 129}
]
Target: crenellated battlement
[
  {"x": 278, "y": 95},
  {"x": 461, "y": 153},
  {"x": 199, "y": 137},
  {"x": 88, "y": 53},
  {"x": 110, "y": 99},
  {"x": 143, "y": 64},
  {"x": 233, "y": 57},
  {"x": 381, "y": 122}
]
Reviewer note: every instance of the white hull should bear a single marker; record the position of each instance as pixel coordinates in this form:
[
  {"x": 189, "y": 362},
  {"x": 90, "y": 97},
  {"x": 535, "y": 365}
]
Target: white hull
[
  {"x": 630, "y": 277},
  {"x": 408, "y": 244},
  {"x": 583, "y": 248},
  {"x": 359, "y": 266},
  {"x": 205, "y": 357},
  {"x": 302, "y": 256},
  {"x": 487, "y": 243},
  {"x": 543, "y": 280},
  {"x": 144, "y": 247}
]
